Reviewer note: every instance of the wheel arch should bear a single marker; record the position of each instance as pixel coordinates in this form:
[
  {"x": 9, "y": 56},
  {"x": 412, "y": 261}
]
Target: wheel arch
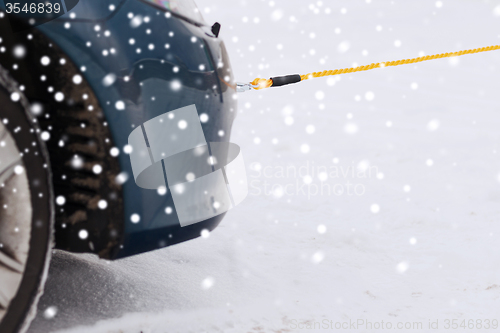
[{"x": 77, "y": 127}]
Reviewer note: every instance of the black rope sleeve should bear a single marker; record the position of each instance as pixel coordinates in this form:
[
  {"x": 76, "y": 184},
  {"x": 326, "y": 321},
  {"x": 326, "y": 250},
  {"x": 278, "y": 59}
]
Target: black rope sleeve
[{"x": 284, "y": 80}]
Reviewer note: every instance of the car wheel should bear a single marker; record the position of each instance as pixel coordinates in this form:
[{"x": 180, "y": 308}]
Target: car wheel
[{"x": 26, "y": 209}]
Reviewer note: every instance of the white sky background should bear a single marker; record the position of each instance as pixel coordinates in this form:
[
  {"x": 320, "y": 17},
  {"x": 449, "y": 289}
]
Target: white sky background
[{"x": 420, "y": 244}]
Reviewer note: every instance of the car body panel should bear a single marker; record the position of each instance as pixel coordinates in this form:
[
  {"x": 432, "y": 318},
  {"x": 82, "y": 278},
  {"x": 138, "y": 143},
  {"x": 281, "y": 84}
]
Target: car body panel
[{"x": 171, "y": 49}]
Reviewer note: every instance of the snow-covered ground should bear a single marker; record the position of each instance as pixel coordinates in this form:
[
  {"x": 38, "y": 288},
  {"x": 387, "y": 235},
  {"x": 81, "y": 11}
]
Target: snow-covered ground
[{"x": 412, "y": 239}]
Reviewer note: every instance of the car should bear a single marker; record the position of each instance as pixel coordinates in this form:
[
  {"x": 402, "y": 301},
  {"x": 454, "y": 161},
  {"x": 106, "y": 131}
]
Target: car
[{"x": 72, "y": 89}]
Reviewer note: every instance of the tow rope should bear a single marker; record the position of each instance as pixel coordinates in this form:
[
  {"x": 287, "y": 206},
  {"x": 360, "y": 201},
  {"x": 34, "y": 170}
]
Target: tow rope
[{"x": 278, "y": 81}]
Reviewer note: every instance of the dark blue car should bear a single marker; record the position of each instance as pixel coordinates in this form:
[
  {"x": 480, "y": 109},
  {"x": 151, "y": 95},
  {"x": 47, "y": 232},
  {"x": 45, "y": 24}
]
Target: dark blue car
[{"x": 72, "y": 90}]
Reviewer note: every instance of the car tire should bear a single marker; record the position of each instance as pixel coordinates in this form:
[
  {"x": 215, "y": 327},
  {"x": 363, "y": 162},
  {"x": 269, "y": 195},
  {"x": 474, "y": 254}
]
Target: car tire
[{"x": 26, "y": 209}]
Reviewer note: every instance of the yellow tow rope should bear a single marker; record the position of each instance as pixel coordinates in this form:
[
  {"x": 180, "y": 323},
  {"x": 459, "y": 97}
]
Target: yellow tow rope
[{"x": 260, "y": 83}]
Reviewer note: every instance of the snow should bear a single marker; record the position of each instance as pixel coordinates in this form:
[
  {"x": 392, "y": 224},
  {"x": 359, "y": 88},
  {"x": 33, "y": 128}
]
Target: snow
[
  {"x": 50, "y": 312},
  {"x": 59, "y": 96},
  {"x": 83, "y": 234},
  {"x": 102, "y": 204},
  {"x": 18, "y": 169},
  {"x": 135, "y": 218},
  {"x": 97, "y": 169},
  {"x": 114, "y": 151},
  {"x": 15, "y": 97},
  {"x": 60, "y": 200},
  {"x": 120, "y": 105},
  {"x": 204, "y": 117},
  {"x": 19, "y": 51},
  {"x": 77, "y": 79},
  {"x": 282, "y": 259},
  {"x": 45, "y": 136},
  {"x": 45, "y": 61},
  {"x": 108, "y": 80}
]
